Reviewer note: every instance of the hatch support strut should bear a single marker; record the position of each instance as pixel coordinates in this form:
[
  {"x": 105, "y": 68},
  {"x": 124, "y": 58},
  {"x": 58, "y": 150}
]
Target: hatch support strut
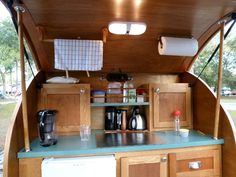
[
  {"x": 217, "y": 110},
  {"x": 19, "y": 9}
]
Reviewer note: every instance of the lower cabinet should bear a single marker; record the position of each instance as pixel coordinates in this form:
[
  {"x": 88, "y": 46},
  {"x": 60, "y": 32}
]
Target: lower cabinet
[
  {"x": 202, "y": 161},
  {"x": 199, "y": 163},
  {"x": 30, "y": 167},
  {"x": 144, "y": 166}
]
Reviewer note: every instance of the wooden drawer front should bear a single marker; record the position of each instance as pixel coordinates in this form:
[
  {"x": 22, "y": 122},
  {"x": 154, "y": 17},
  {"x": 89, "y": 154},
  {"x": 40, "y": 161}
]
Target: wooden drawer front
[
  {"x": 147, "y": 170},
  {"x": 195, "y": 164}
]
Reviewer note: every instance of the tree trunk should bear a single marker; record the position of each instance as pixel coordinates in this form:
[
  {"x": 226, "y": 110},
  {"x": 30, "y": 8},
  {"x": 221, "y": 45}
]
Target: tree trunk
[
  {"x": 11, "y": 78},
  {"x": 17, "y": 78},
  {"x": 3, "y": 77}
]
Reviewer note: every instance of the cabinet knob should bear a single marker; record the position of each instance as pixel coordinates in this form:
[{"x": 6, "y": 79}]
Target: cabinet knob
[
  {"x": 157, "y": 90},
  {"x": 195, "y": 165},
  {"x": 163, "y": 159},
  {"x": 82, "y": 91}
]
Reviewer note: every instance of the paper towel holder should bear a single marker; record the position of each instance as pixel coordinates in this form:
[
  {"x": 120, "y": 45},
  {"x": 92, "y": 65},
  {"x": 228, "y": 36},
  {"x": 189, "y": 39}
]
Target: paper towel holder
[
  {"x": 177, "y": 46},
  {"x": 161, "y": 43}
]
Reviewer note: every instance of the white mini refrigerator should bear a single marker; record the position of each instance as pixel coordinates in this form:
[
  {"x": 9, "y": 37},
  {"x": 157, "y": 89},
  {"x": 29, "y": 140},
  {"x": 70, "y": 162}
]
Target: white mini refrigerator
[{"x": 92, "y": 166}]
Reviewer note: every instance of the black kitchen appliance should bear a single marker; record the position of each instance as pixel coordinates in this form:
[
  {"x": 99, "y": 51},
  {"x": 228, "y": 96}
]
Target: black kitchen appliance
[
  {"x": 110, "y": 118},
  {"x": 46, "y": 120},
  {"x": 118, "y": 119},
  {"x": 137, "y": 121}
]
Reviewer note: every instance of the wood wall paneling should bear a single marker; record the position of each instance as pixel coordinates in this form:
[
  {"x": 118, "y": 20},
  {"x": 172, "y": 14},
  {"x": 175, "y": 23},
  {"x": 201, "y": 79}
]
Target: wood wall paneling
[
  {"x": 37, "y": 47},
  {"x": 15, "y": 137},
  {"x": 203, "y": 113},
  {"x": 193, "y": 19}
]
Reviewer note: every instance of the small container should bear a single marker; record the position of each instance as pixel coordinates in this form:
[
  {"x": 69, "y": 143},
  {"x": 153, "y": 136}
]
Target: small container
[
  {"x": 183, "y": 132},
  {"x": 140, "y": 98},
  {"x": 114, "y": 93},
  {"x": 114, "y": 88},
  {"x": 99, "y": 96},
  {"x": 125, "y": 92},
  {"x": 141, "y": 95},
  {"x": 85, "y": 132},
  {"x": 132, "y": 95},
  {"x": 114, "y": 85}
]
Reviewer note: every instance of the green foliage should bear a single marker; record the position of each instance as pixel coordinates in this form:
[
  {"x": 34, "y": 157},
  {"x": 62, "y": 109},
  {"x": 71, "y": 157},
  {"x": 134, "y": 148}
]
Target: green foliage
[
  {"x": 6, "y": 110},
  {"x": 210, "y": 74},
  {"x": 8, "y": 46}
]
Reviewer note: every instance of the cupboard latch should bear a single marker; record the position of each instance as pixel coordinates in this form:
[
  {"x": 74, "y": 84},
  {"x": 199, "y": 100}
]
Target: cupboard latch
[
  {"x": 163, "y": 159},
  {"x": 82, "y": 91},
  {"x": 157, "y": 90}
]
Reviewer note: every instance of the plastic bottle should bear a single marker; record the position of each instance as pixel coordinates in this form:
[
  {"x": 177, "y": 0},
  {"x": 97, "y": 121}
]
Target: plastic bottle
[
  {"x": 125, "y": 92},
  {"x": 177, "y": 121},
  {"x": 128, "y": 85}
]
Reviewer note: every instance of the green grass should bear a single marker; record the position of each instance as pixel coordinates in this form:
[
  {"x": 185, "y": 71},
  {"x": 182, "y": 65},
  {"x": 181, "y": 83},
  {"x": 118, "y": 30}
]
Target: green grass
[
  {"x": 233, "y": 115},
  {"x": 6, "y": 110},
  {"x": 228, "y": 99}
]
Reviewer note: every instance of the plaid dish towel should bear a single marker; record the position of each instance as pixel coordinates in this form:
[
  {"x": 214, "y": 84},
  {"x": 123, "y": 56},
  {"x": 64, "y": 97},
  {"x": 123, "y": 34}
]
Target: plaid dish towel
[{"x": 83, "y": 55}]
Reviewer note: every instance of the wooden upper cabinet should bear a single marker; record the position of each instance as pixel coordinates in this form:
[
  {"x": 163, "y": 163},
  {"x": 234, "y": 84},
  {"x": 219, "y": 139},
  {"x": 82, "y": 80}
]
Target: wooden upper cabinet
[
  {"x": 72, "y": 101},
  {"x": 167, "y": 98},
  {"x": 144, "y": 166}
]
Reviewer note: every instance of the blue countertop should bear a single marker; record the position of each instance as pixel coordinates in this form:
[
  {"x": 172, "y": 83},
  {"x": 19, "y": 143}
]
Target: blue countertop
[{"x": 107, "y": 143}]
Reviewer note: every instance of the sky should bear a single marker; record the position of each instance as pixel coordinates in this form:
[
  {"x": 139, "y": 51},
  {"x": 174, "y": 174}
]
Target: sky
[{"x": 3, "y": 12}]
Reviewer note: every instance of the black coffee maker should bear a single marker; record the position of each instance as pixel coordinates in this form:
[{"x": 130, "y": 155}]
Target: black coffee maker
[
  {"x": 46, "y": 120},
  {"x": 110, "y": 118}
]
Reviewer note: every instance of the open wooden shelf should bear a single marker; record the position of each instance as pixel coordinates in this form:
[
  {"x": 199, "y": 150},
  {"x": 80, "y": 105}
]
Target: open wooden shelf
[{"x": 119, "y": 104}]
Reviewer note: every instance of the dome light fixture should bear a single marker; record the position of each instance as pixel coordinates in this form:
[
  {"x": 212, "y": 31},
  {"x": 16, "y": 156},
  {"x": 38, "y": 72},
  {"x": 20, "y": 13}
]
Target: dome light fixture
[{"x": 127, "y": 28}]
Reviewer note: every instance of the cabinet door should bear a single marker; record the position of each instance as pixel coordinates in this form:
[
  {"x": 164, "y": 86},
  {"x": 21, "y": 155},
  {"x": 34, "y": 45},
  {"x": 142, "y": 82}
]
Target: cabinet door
[
  {"x": 168, "y": 98},
  {"x": 144, "y": 166},
  {"x": 72, "y": 101},
  {"x": 30, "y": 167},
  {"x": 203, "y": 163}
]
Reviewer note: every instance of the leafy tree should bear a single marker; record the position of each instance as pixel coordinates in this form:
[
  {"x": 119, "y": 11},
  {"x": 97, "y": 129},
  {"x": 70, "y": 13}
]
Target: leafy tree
[
  {"x": 210, "y": 74},
  {"x": 8, "y": 49}
]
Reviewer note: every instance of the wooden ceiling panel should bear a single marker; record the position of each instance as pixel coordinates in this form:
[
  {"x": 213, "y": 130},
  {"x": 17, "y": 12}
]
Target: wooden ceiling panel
[{"x": 86, "y": 19}]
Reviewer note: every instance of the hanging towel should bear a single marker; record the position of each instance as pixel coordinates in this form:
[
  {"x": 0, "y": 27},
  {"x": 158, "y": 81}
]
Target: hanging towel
[{"x": 83, "y": 55}]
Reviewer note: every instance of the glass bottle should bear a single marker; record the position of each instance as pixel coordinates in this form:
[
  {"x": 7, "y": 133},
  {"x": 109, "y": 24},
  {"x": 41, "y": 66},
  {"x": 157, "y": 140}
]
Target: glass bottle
[{"x": 177, "y": 121}]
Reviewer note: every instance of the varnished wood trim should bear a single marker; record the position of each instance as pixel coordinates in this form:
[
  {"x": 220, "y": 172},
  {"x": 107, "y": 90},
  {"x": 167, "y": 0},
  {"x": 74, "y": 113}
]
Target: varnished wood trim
[
  {"x": 219, "y": 83},
  {"x": 11, "y": 145},
  {"x": 23, "y": 84}
]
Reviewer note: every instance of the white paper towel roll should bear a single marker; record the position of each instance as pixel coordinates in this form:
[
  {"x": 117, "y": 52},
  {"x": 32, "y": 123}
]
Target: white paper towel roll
[{"x": 178, "y": 46}]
